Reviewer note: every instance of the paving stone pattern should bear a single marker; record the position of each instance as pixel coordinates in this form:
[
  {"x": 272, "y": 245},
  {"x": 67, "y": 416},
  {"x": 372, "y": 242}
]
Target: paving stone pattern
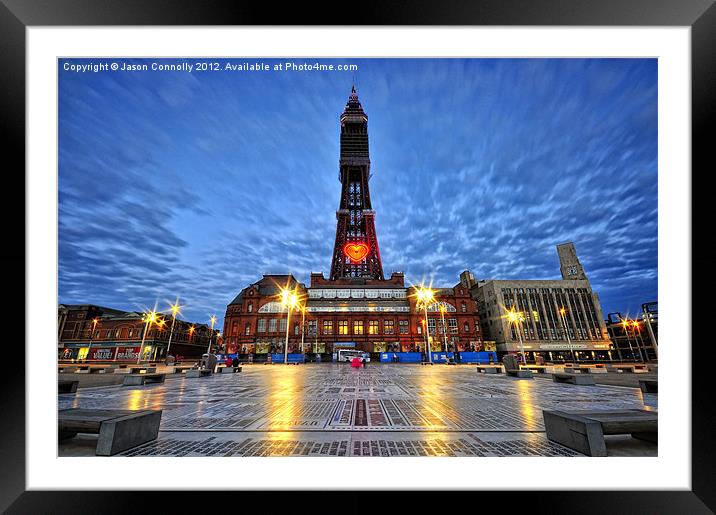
[{"x": 335, "y": 410}]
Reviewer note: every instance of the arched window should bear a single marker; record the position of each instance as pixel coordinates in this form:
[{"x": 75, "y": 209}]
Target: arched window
[
  {"x": 435, "y": 307},
  {"x": 272, "y": 307}
]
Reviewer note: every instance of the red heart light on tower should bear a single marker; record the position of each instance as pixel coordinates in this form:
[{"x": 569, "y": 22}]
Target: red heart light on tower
[{"x": 355, "y": 251}]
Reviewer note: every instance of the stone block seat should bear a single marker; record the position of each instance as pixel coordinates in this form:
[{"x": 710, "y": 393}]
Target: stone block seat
[
  {"x": 573, "y": 378},
  {"x": 118, "y": 430},
  {"x": 142, "y": 379},
  {"x": 584, "y": 431},
  {"x": 67, "y": 386},
  {"x": 649, "y": 385}
]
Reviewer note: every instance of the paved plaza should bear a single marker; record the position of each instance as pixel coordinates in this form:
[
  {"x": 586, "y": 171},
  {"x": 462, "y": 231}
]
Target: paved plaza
[{"x": 334, "y": 410}]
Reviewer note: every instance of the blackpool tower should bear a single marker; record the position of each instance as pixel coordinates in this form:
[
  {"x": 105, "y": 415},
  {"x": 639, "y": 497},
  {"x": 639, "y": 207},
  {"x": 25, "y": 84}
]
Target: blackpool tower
[{"x": 355, "y": 253}]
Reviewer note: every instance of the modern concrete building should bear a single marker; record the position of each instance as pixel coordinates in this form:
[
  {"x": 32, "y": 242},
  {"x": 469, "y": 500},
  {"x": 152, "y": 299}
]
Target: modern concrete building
[{"x": 554, "y": 318}]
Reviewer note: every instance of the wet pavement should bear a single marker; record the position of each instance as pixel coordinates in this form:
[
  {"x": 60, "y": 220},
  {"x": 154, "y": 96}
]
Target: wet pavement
[{"x": 335, "y": 410}]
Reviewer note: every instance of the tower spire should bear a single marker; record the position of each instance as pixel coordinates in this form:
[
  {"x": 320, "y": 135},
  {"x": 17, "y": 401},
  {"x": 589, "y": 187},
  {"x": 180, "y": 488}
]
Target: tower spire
[{"x": 355, "y": 253}]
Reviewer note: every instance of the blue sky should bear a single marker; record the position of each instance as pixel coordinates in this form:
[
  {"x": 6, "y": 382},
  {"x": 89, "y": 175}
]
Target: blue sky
[{"x": 194, "y": 184}]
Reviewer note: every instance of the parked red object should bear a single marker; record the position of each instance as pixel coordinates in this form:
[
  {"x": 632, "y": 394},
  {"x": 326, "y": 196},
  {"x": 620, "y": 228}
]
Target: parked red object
[
  {"x": 355, "y": 362},
  {"x": 229, "y": 361}
]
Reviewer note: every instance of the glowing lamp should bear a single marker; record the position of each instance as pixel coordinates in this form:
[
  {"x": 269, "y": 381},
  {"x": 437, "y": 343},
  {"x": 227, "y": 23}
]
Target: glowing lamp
[{"x": 356, "y": 251}]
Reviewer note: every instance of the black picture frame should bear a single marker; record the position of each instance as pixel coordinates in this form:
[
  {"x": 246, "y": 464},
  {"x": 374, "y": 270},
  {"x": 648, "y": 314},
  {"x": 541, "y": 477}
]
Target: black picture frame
[{"x": 17, "y": 15}]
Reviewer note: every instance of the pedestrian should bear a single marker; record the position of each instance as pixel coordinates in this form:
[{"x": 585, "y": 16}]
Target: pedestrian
[
  {"x": 236, "y": 362},
  {"x": 395, "y": 358}
]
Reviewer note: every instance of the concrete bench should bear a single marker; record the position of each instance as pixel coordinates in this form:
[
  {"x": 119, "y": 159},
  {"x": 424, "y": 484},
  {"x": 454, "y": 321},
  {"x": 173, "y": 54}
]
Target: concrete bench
[
  {"x": 181, "y": 369},
  {"x": 522, "y": 372},
  {"x": 198, "y": 372},
  {"x": 584, "y": 431},
  {"x": 67, "y": 386},
  {"x": 596, "y": 369},
  {"x": 649, "y": 386},
  {"x": 489, "y": 369},
  {"x": 573, "y": 379},
  {"x": 66, "y": 370},
  {"x": 119, "y": 430},
  {"x": 142, "y": 370},
  {"x": 228, "y": 370},
  {"x": 538, "y": 369},
  {"x": 141, "y": 379}
]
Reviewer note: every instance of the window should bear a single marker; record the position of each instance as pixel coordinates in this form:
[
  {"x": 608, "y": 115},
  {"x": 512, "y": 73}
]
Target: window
[
  {"x": 343, "y": 327},
  {"x": 234, "y": 329},
  {"x": 403, "y": 326},
  {"x": 262, "y": 325},
  {"x": 282, "y": 325},
  {"x": 452, "y": 324},
  {"x": 328, "y": 327},
  {"x": 373, "y": 327},
  {"x": 296, "y": 329},
  {"x": 251, "y": 307},
  {"x": 272, "y": 325},
  {"x": 463, "y": 307},
  {"x": 431, "y": 326},
  {"x": 312, "y": 328},
  {"x": 420, "y": 329},
  {"x": 247, "y": 330},
  {"x": 389, "y": 326},
  {"x": 358, "y": 327},
  {"x": 466, "y": 327}
]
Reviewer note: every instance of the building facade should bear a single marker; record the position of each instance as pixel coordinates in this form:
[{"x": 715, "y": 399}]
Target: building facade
[
  {"x": 94, "y": 333},
  {"x": 559, "y": 320},
  {"x": 356, "y": 306}
]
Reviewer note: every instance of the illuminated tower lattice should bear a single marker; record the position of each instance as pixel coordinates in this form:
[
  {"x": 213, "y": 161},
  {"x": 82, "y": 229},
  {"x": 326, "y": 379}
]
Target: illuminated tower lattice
[{"x": 356, "y": 252}]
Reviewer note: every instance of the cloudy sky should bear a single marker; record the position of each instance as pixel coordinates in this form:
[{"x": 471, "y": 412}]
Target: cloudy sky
[{"x": 194, "y": 184}]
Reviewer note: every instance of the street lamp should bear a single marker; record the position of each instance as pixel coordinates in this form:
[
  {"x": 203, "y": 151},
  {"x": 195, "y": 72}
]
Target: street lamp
[
  {"x": 625, "y": 325},
  {"x": 175, "y": 309},
  {"x": 566, "y": 332},
  {"x": 212, "y": 319},
  {"x": 425, "y": 295},
  {"x": 95, "y": 321},
  {"x": 516, "y": 317},
  {"x": 289, "y": 299},
  {"x": 150, "y": 317},
  {"x": 303, "y": 325},
  {"x": 442, "y": 314}
]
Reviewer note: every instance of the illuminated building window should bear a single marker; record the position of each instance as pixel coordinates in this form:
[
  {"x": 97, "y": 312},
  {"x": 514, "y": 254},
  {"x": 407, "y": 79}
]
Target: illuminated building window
[
  {"x": 431, "y": 326},
  {"x": 466, "y": 327},
  {"x": 343, "y": 327},
  {"x": 247, "y": 331},
  {"x": 250, "y": 307},
  {"x": 328, "y": 327},
  {"x": 296, "y": 329},
  {"x": 262, "y": 325},
  {"x": 452, "y": 324},
  {"x": 403, "y": 326},
  {"x": 389, "y": 326},
  {"x": 373, "y": 327},
  {"x": 463, "y": 307},
  {"x": 357, "y": 327},
  {"x": 272, "y": 325},
  {"x": 282, "y": 325}
]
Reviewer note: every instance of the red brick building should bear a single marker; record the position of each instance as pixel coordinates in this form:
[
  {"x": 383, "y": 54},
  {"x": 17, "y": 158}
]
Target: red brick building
[
  {"x": 95, "y": 333},
  {"x": 356, "y": 307}
]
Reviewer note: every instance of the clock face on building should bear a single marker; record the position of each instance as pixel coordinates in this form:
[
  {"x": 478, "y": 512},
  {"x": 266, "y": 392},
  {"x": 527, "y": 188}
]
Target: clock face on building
[{"x": 572, "y": 270}]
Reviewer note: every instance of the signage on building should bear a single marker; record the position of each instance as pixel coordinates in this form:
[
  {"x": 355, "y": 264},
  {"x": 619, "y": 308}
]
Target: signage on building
[
  {"x": 127, "y": 353},
  {"x": 101, "y": 353},
  {"x": 562, "y": 346}
]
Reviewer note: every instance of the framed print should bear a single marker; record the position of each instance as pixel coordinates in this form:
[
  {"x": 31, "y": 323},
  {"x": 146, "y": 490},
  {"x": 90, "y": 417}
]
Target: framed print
[{"x": 470, "y": 303}]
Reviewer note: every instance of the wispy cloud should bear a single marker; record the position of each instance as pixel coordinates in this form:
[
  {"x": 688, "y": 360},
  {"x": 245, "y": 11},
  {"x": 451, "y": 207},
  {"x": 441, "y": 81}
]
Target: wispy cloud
[{"x": 195, "y": 185}]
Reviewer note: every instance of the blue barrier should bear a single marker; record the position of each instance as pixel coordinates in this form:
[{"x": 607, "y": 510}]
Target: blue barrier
[
  {"x": 403, "y": 357},
  {"x": 466, "y": 357},
  {"x": 292, "y": 358}
]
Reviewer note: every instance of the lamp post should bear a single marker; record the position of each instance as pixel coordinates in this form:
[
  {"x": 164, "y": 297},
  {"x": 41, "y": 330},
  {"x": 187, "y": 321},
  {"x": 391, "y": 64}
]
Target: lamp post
[
  {"x": 95, "y": 321},
  {"x": 516, "y": 317},
  {"x": 635, "y": 325},
  {"x": 566, "y": 332},
  {"x": 175, "y": 309},
  {"x": 211, "y": 335},
  {"x": 647, "y": 321},
  {"x": 303, "y": 326},
  {"x": 442, "y": 314},
  {"x": 625, "y": 325},
  {"x": 425, "y": 295},
  {"x": 148, "y": 318},
  {"x": 289, "y": 299}
]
